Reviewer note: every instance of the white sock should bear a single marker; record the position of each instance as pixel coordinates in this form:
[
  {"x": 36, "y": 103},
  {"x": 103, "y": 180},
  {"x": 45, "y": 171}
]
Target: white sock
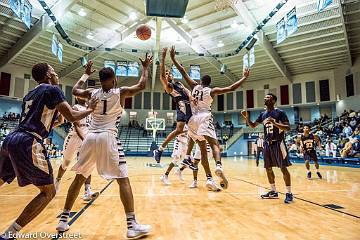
[
  {"x": 308, "y": 171},
  {"x": 130, "y": 219},
  {"x": 65, "y": 215},
  {"x": 288, "y": 189},
  {"x": 161, "y": 148},
  {"x": 87, "y": 188},
  {"x": 273, "y": 188},
  {"x": 12, "y": 230}
]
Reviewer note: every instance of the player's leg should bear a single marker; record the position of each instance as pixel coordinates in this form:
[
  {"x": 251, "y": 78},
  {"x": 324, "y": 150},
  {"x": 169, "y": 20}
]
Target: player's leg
[
  {"x": 165, "y": 178},
  {"x": 7, "y": 173},
  {"x": 135, "y": 229},
  {"x": 195, "y": 174},
  {"x": 287, "y": 180},
  {"x": 71, "y": 196},
  {"x": 307, "y": 165},
  {"x": 317, "y": 166},
  {"x": 210, "y": 183},
  {"x": 89, "y": 194},
  {"x": 271, "y": 178},
  {"x": 215, "y": 147},
  {"x": 187, "y": 160},
  {"x": 32, "y": 210},
  {"x": 179, "y": 129}
]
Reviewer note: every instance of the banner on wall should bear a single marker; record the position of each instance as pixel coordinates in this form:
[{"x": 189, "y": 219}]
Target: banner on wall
[
  {"x": 246, "y": 61},
  {"x": 175, "y": 72},
  {"x": 54, "y": 45},
  {"x": 252, "y": 57},
  {"x": 254, "y": 135},
  {"x": 195, "y": 72},
  {"x": 60, "y": 52},
  {"x": 281, "y": 31},
  {"x": 321, "y": 4},
  {"x": 121, "y": 69},
  {"x": 291, "y": 22},
  {"x": 15, "y": 5}
]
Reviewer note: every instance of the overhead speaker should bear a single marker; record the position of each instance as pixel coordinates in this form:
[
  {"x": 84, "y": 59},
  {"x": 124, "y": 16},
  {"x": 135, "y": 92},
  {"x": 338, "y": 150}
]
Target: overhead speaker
[
  {"x": 166, "y": 8},
  {"x": 223, "y": 69},
  {"x": 251, "y": 44}
]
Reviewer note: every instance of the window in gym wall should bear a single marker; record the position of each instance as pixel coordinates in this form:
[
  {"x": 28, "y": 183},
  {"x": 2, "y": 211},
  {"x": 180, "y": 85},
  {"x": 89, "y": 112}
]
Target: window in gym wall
[
  {"x": 166, "y": 101},
  {"x": 5, "y": 79},
  {"x": 297, "y": 97},
  {"x": 128, "y": 103},
  {"x": 284, "y": 94},
  {"x": 220, "y": 101},
  {"x": 310, "y": 91},
  {"x": 249, "y": 98},
  {"x": 137, "y": 101},
  {"x": 349, "y": 85},
  {"x": 156, "y": 100},
  {"x": 147, "y": 100},
  {"x": 324, "y": 90},
  {"x": 240, "y": 100},
  {"x": 230, "y": 101}
]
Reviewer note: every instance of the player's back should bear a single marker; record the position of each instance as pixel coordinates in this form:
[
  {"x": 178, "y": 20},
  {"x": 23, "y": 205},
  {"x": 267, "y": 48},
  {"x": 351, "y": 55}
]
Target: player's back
[
  {"x": 202, "y": 94},
  {"x": 107, "y": 112},
  {"x": 38, "y": 110}
]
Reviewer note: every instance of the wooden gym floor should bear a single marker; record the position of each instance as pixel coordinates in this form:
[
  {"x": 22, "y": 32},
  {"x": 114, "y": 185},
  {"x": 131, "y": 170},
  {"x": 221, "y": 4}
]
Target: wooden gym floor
[{"x": 322, "y": 209}]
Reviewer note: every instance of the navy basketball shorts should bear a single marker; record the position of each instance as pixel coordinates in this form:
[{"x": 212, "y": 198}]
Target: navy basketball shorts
[
  {"x": 311, "y": 155},
  {"x": 275, "y": 155},
  {"x": 26, "y": 158},
  {"x": 183, "y": 114}
]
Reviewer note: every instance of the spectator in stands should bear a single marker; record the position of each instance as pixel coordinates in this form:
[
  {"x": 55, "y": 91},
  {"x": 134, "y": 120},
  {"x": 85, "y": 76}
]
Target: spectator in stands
[
  {"x": 347, "y": 131},
  {"x": 348, "y": 150},
  {"x": 217, "y": 125},
  {"x": 319, "y": 132},
  {"x": 337, "y": 129},
  {"x": 353, "y": 123},
  {"x": 330, "y": 148}
]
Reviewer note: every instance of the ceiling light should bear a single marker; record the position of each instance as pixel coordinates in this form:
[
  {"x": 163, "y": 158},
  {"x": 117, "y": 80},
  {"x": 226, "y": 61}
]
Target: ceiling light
[
  {"x": 90, "y": 36},
  {"x": 82, "y": 12},
  {"x": 133, "y": 16},
  {"x": 234, "y": 24},
  {"x": 184, "y": 20},
  {"x": 220, "y": 44}
]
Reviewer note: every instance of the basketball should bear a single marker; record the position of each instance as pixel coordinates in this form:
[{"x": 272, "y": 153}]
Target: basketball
[{"x": 143, "y": 32}]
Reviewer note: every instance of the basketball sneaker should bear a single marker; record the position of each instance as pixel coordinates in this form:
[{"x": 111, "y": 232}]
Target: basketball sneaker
[
  {"x": 211, "y": 185},
  {"x": 270, "y": 195},
  {"x": 319, "y": 175},
  {"x": 57, "y": 185},
  {"x": 89, "y": 195},
  {"x": 62, "y": 226},
  {"x": 165, "y": 180},
  {"x": 179, "y": 174},
  {"x": 193, "y": 184},
  {"x": 288, "y": 198},
  {"x": 220, "y": 173},
  {"x": 187, "y": 162},
  {"x": 138, "y": 230},
  {"x": 157, "y": 155},
  {"x": 309, "y": 175}
]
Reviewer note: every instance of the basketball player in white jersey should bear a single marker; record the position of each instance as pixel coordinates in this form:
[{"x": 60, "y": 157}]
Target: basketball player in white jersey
[
  {"x": 179, "y": 151},
  {"x": 201, "y": 125},
  {"x": 72, "y": 144},
  {"x": 100, "y": 147}
]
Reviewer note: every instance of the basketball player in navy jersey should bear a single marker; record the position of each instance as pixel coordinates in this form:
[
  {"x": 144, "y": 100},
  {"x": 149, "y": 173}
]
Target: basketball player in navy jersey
[
  {"x": 24, "y": 155},
  {"x": 307, "y": 147},
  {"x": 275, "y": 124},
  {"x": 182, "y": 97},
  {"x": 101, "y": 148},
  {"x": 201, "y": 124}
]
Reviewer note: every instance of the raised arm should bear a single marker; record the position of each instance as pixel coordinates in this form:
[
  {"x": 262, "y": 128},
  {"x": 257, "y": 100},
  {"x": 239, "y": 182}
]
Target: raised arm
[
  {"x": 218, "y": 91},
  {"x": 71, "y": 115},
  {"x": 131, "y": 91},
  {"x": 78, "y": 90},
  {"x": 248, "y": 121},
  {"x": 181, "y": 69},
  {"x": 163, "y": 80}
]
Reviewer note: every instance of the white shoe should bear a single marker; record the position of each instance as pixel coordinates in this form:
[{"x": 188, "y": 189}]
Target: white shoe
[
  {"x": 211, "y": 185},
  {"x": 179, "y": 174},
  {"x": 62, "y": 226},
  {"x": 193, "y": 184},
  {"x": 165, "y": 180},
  {"x": 57, "y": 185},
  {"x": 88, "y": 196},
  {"x": 220, "y": 173},
  {"x": 138, "y": 231}
]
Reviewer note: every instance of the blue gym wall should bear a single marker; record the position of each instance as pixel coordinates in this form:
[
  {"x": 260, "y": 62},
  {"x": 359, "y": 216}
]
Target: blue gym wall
[{"x": 7, "y": 105}]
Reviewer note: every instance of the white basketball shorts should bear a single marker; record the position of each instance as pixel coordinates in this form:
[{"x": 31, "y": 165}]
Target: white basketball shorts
[
  {"x": 179, "y": 150},
  {"x": 200, "y": 125}
]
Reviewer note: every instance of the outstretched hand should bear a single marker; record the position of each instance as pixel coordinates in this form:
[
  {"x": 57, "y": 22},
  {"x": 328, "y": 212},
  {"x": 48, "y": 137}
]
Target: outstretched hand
[
  {"x": 172, "y": 52},
  {"x": 245, "y": 114},
  {"x": 147, "y": 61},
  {"x": 164, "y": 51},
  {"x": 88, "y": 68},
  {"x": 246, "y": 72}
]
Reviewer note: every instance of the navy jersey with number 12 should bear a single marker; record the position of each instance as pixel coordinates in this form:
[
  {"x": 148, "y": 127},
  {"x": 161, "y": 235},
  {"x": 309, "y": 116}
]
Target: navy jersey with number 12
[{"x": 271, "y": 132}]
